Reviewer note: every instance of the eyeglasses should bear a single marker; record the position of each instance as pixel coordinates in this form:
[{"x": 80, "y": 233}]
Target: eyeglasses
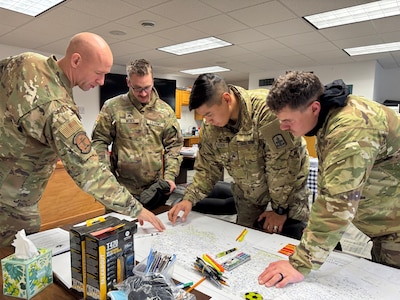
[{"x": 139, "y": 90}]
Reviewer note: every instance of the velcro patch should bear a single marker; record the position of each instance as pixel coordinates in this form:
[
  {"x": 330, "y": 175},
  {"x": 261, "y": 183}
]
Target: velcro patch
[
  {"x": 82, "y": 142},
  {"x": 279, "y": 141},
  {"x": 276, "y": 138},
  {"x": 69, "y": 128}
]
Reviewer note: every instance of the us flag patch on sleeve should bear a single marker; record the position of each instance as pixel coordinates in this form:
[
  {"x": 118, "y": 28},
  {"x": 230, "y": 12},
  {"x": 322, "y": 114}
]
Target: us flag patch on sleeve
[{"x": 69, "y": 128}]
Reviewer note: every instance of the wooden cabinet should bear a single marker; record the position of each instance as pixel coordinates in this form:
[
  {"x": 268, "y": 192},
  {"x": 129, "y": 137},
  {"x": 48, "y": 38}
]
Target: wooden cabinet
[
  {"x": 197, "y": 116},
  {"x": 191, "y": 140},
  {"x": 63, "y": 202},
  {"x": 183, "y": 96},
  {"x": 310, "y": 140},
  {"x": 178, "y": 108}
]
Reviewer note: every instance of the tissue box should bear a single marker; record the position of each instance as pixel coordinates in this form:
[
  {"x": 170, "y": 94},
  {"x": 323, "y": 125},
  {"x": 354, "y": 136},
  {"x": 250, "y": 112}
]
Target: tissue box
[{"x": 24, "y": 278}]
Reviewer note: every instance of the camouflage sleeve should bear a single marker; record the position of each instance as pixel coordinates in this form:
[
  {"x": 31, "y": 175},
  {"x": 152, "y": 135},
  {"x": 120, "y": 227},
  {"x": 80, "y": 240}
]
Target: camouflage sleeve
[
  {"x": 103, "y": 134},
  {"x": 208, "y": 170},
  {"x": 65, "y": 133},
  {"x": 341, "y": 177},
  {"x": 286, "y": 165},
  {"x": 173, "y": 143}
]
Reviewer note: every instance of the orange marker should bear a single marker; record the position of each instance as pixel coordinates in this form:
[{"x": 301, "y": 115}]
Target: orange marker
[
  {"x": 242, "y": 235},
  {"x": 195, "y": 285},
  {"x": 212, "y": 262}
]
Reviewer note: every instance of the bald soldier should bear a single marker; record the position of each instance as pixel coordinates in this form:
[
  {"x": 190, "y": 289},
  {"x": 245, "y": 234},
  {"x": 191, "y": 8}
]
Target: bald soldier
[
  {"x": 268, "y": 165},
  {"x": 40, "y": 122},
  {"x": 358, "y": 147}
]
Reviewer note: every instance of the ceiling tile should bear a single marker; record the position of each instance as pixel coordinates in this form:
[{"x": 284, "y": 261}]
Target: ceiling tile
[
  {"x": 267, "y": 35},
  {"x": 103, "y": 9},
  {"x": 184, "y": 11},
  {"x": 266, "y": 13}
]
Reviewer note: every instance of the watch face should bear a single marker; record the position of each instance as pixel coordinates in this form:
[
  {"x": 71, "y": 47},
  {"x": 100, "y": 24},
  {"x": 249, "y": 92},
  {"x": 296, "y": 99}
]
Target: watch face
[{"x": 281, "y": 211}]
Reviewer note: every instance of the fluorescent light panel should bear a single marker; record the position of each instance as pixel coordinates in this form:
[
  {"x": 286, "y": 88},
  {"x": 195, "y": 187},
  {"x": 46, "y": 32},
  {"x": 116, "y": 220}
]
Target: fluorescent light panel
[
  {"x": 29, "y": 7},
  {"x": 354, "y": 14},
  {"x": 213, "y": 69},
  {"x": 373, "y": 49},
  {"x": 195, "y": 46}
]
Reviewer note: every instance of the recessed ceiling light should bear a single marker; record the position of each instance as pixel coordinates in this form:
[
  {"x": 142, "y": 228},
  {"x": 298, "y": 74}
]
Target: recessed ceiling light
[
  {"x": 213, "y": 69},
  {"x": 29, "y": 7},
  {"x": 195, "y": 46},
  {"x": 148, "y": 23},
  {"x": 354, "y": 14},
  {"x": 373, "y": 49},
  {"x": 117, "y": 32}
]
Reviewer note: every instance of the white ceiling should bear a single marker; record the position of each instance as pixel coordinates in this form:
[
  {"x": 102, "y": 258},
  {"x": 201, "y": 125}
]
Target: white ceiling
[{"x": 267, "y": 35}]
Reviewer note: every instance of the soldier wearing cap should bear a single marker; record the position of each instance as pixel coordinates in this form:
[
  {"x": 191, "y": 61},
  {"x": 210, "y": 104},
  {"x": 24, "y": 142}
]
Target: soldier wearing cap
[
  {"x": 39, "y": 123},
  {"x": 269, "y": 166}
]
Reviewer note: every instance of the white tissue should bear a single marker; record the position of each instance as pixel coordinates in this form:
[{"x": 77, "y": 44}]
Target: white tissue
[{"x": 24, "y": 247}]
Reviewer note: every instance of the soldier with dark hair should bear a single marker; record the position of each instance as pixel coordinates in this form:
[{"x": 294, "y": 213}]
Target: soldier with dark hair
[
  {"x": 40, "y": 122},
  {"x": 269, "y": 166},
  {"x": 358, "y": 147}
]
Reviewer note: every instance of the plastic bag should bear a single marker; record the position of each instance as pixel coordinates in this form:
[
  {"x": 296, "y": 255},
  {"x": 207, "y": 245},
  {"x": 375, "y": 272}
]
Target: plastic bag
[{"x": 146, "y": 285}]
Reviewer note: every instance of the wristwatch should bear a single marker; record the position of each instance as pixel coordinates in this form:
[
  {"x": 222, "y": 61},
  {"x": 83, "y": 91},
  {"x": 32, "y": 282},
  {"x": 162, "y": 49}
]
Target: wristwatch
[{"x": 281, "y": 211}]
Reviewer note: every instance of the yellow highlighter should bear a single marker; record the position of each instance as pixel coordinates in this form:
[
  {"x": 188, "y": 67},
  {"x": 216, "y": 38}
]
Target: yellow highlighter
[
  {"x": 213, "y": 263},
  {"x": 242, "y": 235}
]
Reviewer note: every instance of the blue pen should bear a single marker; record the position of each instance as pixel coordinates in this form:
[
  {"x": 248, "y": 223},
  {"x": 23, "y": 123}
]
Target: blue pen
[{"x": 149, "y": 260}]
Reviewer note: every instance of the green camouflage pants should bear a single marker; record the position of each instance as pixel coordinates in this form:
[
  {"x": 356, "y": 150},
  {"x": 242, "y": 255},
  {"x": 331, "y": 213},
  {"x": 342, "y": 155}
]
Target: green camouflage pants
[
  {"x": 248, "y": 212},
  {"x": 386, "y": 250},
  {"x": 13, "y": 219}
]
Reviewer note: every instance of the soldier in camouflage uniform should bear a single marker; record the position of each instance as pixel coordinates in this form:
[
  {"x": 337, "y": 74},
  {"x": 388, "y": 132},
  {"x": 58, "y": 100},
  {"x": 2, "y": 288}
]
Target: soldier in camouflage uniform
[
  {"x": 268, "y": 165},
  {"x": 358, "y": 147},
  {"x": 39, "y": 122},
  {"x": 145, "y": 135}
]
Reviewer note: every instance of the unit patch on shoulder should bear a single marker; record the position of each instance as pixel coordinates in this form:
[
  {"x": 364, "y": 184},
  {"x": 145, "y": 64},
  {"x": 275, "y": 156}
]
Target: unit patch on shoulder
[
  {"x": 279, "y": 141},
  {"x": 82, "y": 142},
  {"x": 275, "y": 138}
]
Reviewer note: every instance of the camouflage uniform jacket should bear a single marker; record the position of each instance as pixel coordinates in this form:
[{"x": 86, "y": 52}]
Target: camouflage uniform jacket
[
  {"x": 358, "y": 147},
  {"x": 138, "y": 134},
  {"x": 40, "y": 122},
  {"x": 267, "y": 164}
]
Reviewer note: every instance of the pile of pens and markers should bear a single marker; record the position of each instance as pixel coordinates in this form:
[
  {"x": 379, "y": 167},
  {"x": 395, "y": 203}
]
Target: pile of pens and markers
[
  {"x": 158, "y": 262},
  {"x": 210, "y": 269}
]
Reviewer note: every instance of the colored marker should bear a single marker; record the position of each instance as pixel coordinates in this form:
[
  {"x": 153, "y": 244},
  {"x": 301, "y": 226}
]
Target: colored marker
[
  {"x": 241, "y": 235},
  {"x": 225, "y": 252},
  {"x": 196, "y": 284},
  {"x": 213, "y": 263},
  {"x": 184, "y": 285}
]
